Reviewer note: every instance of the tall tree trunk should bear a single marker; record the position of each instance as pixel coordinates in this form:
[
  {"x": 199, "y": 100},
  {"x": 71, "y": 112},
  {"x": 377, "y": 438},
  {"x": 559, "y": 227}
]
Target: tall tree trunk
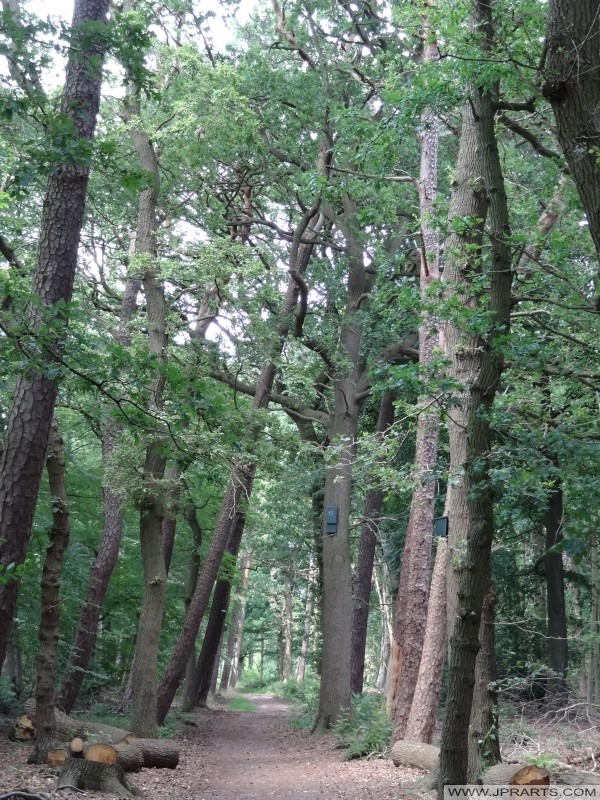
[
  {"x": 242, "y": 478},
  {"x": 558, "y": 652},
  {"x": 336, "y": 688},
  {"x": 308, "y": 612},
  {"x": 216, "y": 621},
  {"x": 572, "y": 66},
  {"x": 421, "y": 721},
  {"x": 13, "y": 664},
  {"x": 411, "y": 604},
  {"x": 476, "y": 366},
  {"x": 108, "y": 552},
  {"x": 28, "y": 426},
  {"x": 45, "y": 722},
  {"x": 366, "y": 555},
  {"x": 143, "y": 720}
]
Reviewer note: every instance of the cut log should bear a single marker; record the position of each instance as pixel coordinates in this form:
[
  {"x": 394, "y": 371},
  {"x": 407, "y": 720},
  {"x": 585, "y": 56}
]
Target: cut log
[
  {"x": 516, "y": 775},
  {"x": 159, "y": 753},
  {"x": 415, "y": 754},
  {"x": 94, "y": 776},
  {"x": 76, "y": 747},
  {"x": 69, "y": 728},
  {"x": 103, "y": 753},
  {"x": 129, "y": 756},
  {"x": 568, "y": 778},
  {"x": 56, "y": 758},
  {"x": 24, "y": 729}
]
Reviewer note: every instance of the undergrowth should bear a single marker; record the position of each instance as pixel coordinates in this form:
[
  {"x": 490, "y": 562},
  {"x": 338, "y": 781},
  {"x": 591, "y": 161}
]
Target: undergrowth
[{"x": 365, "y": 731}]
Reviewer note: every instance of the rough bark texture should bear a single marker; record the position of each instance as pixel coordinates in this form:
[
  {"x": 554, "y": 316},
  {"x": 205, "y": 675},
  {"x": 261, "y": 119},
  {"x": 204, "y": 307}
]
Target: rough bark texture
[
  {"x": 572, "y": 67},
  {"x": 151, "y": 503},
  {"x": 95, "y": 777},
  {"x": 419, "y": 532},
  {"x": 363, "y": 582},
  {"x": 421, "y": 721},
  {"x": 335, "y": 693},
  {"x": 476, "y": 365},
  {"x": 484, "y": 740},
  {"x": 50, "y": 599},
  {"x": 28, "y": 425}
]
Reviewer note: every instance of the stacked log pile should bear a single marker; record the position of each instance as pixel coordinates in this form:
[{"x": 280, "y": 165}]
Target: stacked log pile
[{"x": 97, "y": 757}]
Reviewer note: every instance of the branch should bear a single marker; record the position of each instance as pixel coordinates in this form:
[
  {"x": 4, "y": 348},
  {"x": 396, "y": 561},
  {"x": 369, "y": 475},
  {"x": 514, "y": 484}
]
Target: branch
[
  {"x": 504, "y": 105},
  {"x": 289, "y": 36},
  {"x": 367, "y": 176},
  {"x": 526, "y": 134},
  {"x": 283, "y": 400}
]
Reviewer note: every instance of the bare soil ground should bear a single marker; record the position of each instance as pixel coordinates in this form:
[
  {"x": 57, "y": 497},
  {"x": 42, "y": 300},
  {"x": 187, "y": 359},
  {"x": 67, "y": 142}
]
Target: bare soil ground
[{"x": 240, "y": 755}]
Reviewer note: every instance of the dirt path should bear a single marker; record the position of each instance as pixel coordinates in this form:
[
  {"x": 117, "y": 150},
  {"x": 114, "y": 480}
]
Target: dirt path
[{"x": 243, "y": 755}]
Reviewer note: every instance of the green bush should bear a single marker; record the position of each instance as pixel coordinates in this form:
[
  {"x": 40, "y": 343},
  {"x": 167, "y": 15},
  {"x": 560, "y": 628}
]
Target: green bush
[
  {"x": 366, "y": 729},
  {"x": 304, "y": 697}
]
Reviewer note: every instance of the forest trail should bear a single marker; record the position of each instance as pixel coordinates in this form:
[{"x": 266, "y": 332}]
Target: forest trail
[{"x": 251, "y": 755}]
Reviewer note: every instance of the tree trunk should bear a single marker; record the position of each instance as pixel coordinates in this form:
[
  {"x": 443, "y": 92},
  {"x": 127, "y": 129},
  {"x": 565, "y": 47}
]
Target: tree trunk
[
  {"x": 28, "y": 425},
  {"x": 45, "y": 735},
  {"x": 411, "y": 605},
  {"x": 421, "y": 721},
  {"x": 308, "y": 610},
  {"x": 13, "y": 664},
  {"x": 336, "y": 688},
  {"x": 476, "y": 365},
  {"x": 363, "y": 581},
  {"x": 572, "y": 65},
  {"x": 211, "y": 645},
  {"x": 385, "y": 604},
  {"x": 558, "y": 653},
  {"x": 484, "y": 740},
  {"x": 151, "y": 506}
]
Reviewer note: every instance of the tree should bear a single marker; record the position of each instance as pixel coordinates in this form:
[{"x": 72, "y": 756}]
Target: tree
[{"x": 27, "y": 430}]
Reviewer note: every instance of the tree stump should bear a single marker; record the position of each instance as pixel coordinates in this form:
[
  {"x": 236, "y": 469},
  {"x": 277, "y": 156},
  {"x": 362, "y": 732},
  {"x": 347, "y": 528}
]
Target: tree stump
[
  {"x": 94, "y": 776},
  {"x": 57, "y": 757},
  {"x": 103, "y": 753}
]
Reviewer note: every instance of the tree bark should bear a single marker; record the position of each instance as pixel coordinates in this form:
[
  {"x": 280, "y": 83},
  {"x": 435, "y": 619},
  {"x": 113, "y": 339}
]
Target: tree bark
[
  {"x": 336, "y": 691},
  {"x": 45, "y": 735},
  {"x": 238, "y": 622},
  {"x": 151, "y": 504},
  {"x": 411, "y": 605},
  {"x": 28, "y": 426},
  {"x": 363, "y": 582},
  {"x": 484, "y": 741},
  {"x": 572, "y": 66},
  {"x": 421, "y": 721},
  {"x": 476, "y": 365}
]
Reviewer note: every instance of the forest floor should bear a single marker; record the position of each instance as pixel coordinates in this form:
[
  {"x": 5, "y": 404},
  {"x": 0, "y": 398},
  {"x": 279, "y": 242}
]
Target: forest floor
[{"x": 240, "y": 755}]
